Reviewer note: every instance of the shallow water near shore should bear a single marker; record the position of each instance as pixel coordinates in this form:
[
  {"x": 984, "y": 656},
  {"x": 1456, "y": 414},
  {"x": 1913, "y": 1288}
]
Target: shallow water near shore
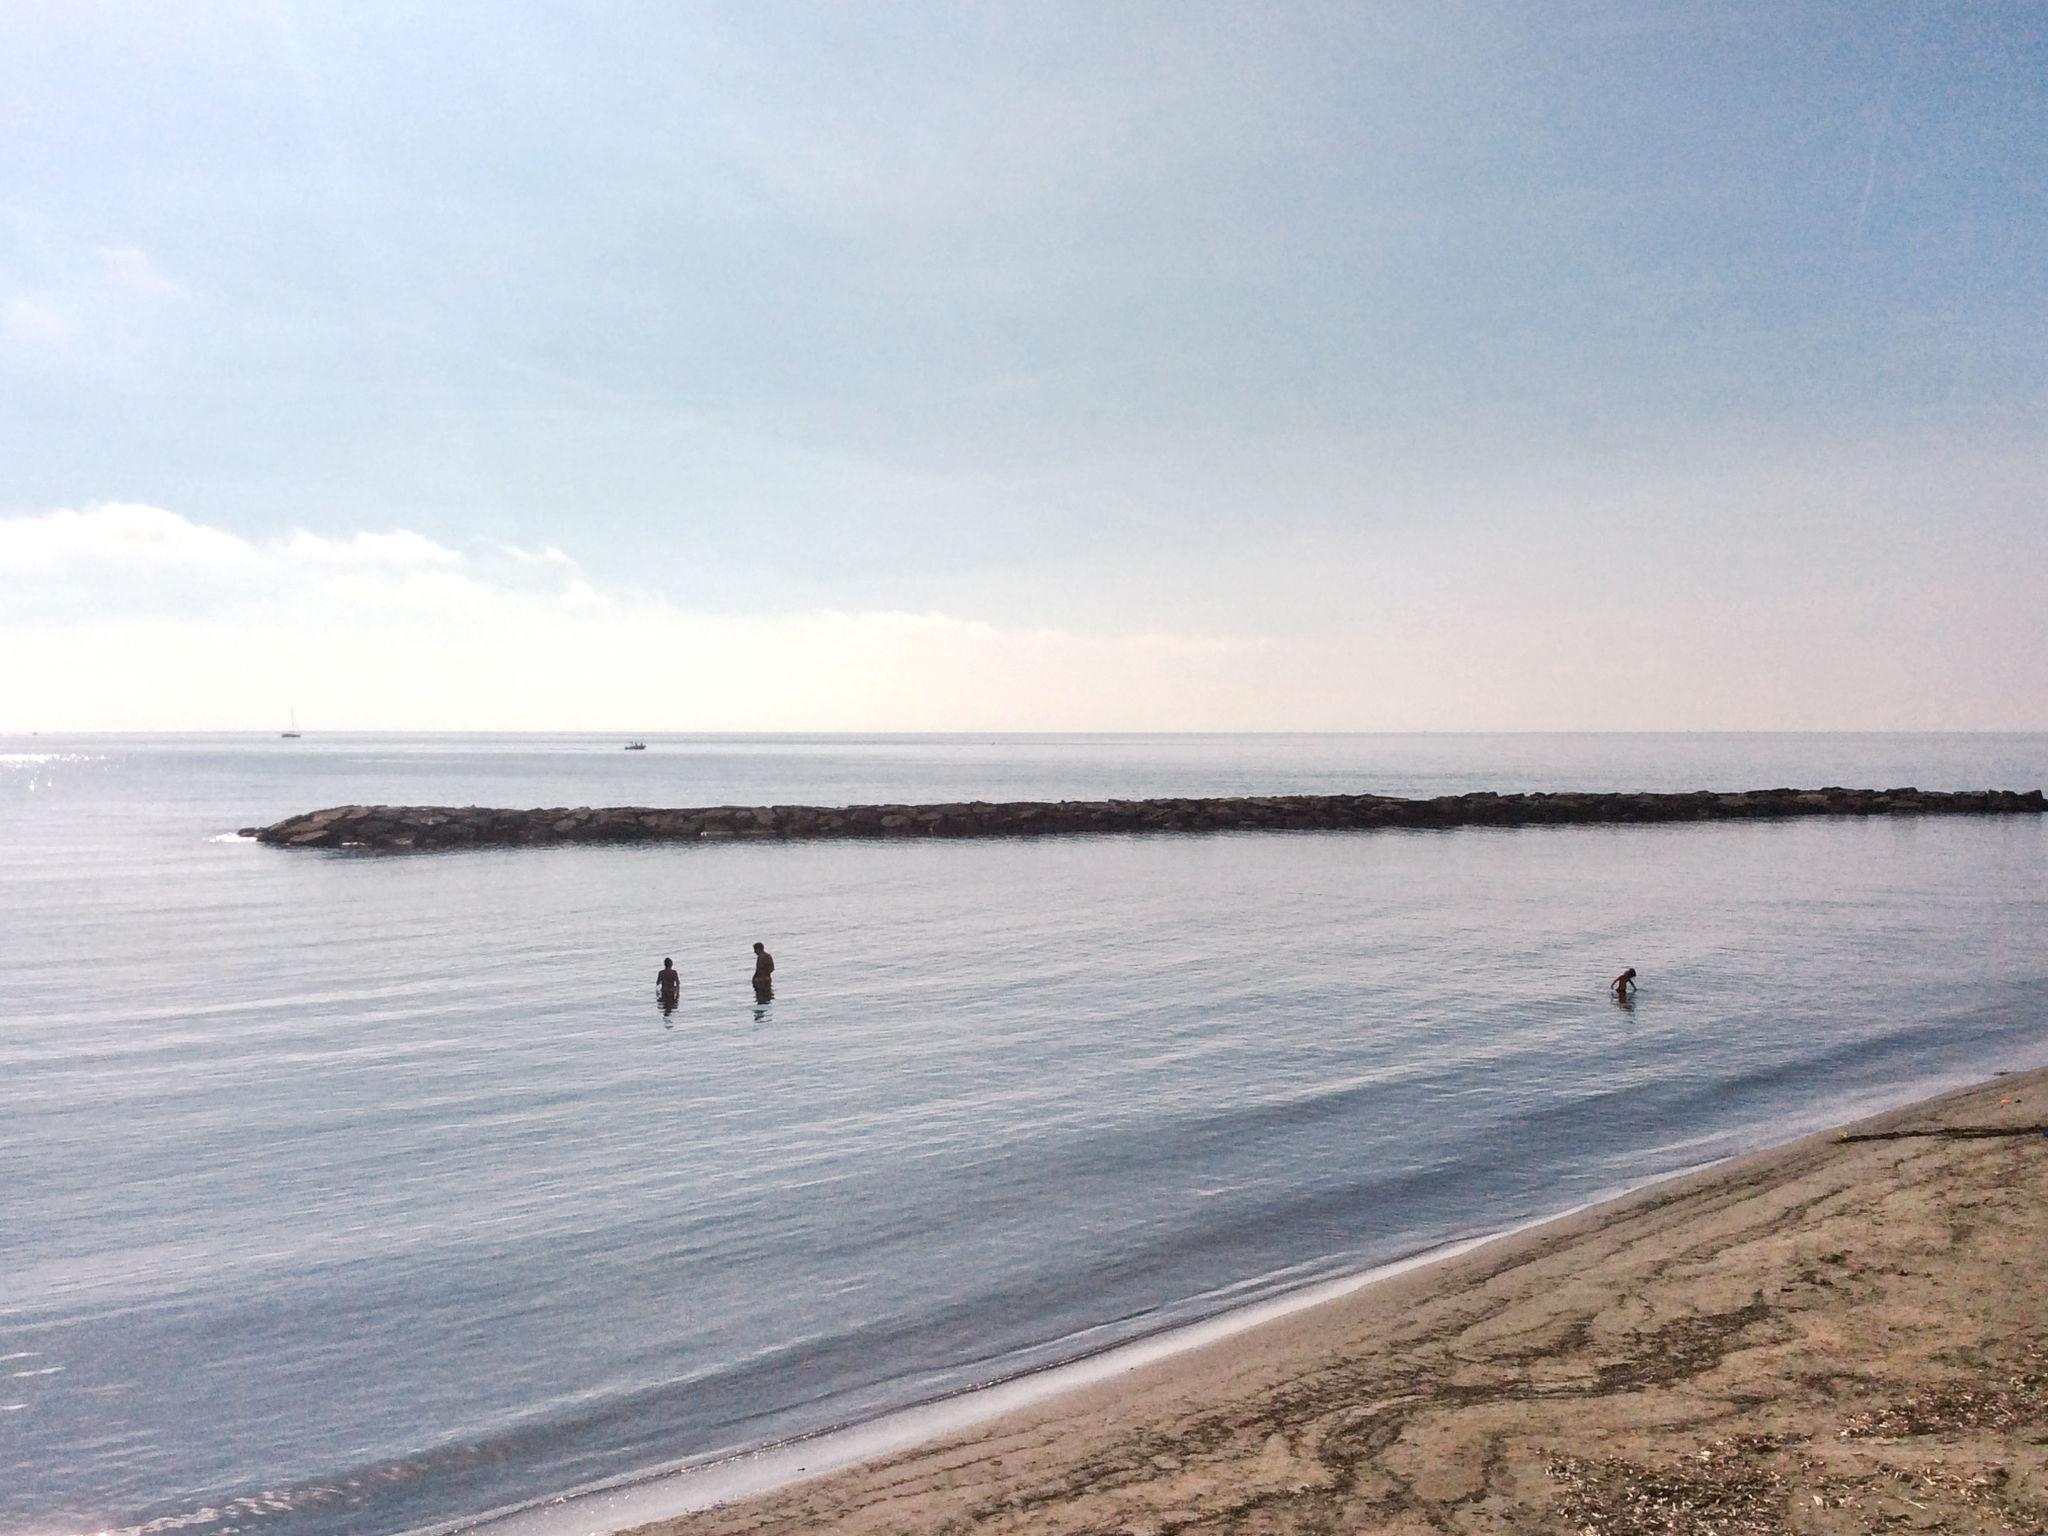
[{"x": 359, "y": 1194}]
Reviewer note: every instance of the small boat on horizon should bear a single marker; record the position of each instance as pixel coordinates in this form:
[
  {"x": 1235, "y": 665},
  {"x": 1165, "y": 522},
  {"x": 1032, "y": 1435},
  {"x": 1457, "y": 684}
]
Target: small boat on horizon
[
  {"x": 636, "y": 746},
  {"x": 293, "y": 733}
]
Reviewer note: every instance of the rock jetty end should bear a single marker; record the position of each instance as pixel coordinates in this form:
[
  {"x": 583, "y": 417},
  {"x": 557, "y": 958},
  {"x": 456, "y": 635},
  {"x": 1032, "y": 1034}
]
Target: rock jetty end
[{"x": 425, "y": 828}]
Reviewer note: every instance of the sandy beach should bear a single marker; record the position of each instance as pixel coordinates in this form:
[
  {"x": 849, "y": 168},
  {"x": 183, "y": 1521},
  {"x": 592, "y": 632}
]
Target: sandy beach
[{"x": 1845, "y": 1334}]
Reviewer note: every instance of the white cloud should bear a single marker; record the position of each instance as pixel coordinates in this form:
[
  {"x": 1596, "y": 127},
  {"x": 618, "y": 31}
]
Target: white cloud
[
  {"x": 121, "y": 534},
  {"x": 130, "y": 268},
  {"x": 135, "y": 535},
  {"x": 135, "y": 629},
  {"x": 100, "y": 297},
  {"x": 137, "y": 618},
  {"x": 400, "y": 548},
  {"x": 36, "y": 322},
  {"x": 547, "y": 555}
]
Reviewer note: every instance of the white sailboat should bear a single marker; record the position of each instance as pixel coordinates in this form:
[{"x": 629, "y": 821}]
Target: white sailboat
[{"x": 293, "y": 733}]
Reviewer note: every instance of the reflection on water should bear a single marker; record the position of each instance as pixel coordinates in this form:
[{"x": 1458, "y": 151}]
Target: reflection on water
[{"x": 377, "y": 1202}]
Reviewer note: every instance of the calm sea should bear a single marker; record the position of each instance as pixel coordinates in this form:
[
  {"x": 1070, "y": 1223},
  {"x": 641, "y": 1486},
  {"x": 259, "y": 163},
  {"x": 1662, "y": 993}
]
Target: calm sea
[{"x": 355, "y": 1194}]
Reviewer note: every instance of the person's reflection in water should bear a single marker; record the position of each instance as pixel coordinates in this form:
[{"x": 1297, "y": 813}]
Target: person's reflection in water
[{"x": 764, "y": 975}]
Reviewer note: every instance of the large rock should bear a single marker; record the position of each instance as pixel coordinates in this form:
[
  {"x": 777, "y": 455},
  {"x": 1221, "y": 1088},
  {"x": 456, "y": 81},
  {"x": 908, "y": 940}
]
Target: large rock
[{"x": 394, "y": 828}]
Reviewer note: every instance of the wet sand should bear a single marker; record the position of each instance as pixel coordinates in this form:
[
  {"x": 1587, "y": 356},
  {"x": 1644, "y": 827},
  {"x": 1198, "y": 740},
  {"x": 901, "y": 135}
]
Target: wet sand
[{"x": 1845, "y": 1334}]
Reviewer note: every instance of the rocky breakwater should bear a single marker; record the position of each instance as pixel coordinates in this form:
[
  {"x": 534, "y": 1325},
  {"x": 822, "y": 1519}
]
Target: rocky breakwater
[{"x": 419, "y": 828}]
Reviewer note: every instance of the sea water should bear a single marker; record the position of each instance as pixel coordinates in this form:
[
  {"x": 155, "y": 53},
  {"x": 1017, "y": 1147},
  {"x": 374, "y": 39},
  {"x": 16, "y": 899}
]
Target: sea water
[{"x": 344, "y": 1193}]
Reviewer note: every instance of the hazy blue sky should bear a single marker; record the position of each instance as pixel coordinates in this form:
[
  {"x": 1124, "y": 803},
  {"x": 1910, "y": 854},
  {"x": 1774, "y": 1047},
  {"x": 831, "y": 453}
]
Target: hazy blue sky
[{"x": 1037, "y": 365}]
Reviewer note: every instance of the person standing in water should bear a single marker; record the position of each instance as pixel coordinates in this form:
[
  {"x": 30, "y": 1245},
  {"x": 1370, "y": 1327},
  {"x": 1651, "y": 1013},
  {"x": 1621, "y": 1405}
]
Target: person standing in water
[
  {"x": 1624, "y": 986},
  {"x": 668, "y": 986},
  {"x": 764, "y": 973}
]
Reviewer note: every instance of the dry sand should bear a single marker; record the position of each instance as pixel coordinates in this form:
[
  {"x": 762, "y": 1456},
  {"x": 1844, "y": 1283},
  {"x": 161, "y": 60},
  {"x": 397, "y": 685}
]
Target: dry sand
[{"x": 1840, "y": 1335}]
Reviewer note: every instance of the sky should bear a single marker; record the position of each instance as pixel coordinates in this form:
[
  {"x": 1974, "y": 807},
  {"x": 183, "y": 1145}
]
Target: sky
[{"x": 1034, "y": 366}]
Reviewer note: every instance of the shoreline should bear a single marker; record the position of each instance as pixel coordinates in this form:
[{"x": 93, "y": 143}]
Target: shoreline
[
  {"x": 1061, "y": 1448},
  {"x": 741, "y": 1475},
  {"x": 426, "y": 828}
]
